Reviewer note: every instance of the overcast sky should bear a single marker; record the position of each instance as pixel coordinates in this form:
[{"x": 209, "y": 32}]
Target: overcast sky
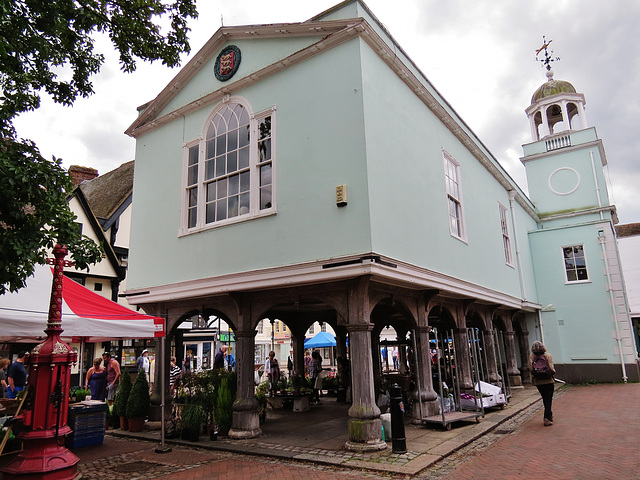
[{"x": 480, "y": 55}]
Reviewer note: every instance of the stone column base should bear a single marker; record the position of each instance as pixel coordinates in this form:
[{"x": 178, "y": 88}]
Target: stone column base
[
  {"x": 429, "y": 409},
  {"x": 365, "y": 435},
  {"x": 245, "y": 425},
  {"x": 370, "y": 446}
]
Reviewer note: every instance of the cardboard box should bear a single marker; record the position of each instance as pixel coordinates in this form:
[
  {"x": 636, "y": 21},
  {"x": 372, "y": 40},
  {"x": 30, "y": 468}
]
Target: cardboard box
[{"x": 487, "y": 388}]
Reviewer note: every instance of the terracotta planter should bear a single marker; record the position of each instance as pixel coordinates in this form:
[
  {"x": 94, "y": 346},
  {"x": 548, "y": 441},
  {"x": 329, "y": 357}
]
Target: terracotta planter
[
  {"x": 136, "y": 424},
  {"x": 124, "y": 424}
]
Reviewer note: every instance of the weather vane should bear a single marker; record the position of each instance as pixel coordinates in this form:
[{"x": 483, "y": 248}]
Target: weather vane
[{"x": 548, "y": 54}]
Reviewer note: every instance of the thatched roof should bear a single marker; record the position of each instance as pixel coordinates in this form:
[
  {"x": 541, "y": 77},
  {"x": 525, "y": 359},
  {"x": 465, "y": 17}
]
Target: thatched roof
[{"x": 107, "y": 192}]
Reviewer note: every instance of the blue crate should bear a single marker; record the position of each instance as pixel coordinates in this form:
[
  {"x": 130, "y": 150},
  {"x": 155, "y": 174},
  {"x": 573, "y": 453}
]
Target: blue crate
[{"x": 77, "y": 441}]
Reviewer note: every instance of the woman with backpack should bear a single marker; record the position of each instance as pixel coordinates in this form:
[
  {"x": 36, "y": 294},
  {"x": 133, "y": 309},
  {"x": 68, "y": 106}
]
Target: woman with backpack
[{"x": 542, "y": 372}]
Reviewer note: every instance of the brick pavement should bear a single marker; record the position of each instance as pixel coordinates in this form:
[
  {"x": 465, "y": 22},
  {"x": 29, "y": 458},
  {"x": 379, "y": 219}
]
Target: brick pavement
[{"x": 594, "y": 436}]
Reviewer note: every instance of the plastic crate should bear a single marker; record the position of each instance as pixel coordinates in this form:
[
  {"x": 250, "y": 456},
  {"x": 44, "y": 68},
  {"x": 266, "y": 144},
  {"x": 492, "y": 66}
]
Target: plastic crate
[{"x": 75, "y": 441}]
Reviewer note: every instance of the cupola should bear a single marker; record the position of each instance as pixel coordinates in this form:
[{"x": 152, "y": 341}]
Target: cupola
[{"x": 556, "y": 107}]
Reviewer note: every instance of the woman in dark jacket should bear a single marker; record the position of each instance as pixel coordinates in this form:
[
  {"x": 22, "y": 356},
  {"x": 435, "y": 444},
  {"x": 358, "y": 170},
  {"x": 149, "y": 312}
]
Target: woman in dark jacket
[{"x": 544, "y": 383}]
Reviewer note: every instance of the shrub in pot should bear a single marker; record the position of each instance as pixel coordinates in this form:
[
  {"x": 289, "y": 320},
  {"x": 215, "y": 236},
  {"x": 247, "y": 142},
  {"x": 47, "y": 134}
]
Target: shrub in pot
[
  {"x": 138, "y": 403},
  {"x": 224, "y": 407},
  {"x": 193, "y": 417},
  {"x": 120, "y": 402}
]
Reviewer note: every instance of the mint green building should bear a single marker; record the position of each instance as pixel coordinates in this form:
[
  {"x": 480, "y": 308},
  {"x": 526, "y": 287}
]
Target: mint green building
[{"x": 310, "y": 172}]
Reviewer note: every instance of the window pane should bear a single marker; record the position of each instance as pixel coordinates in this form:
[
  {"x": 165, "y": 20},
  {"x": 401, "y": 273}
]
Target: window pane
[
  {"x": 234, "y": 183},
  {"x": 265, "y": 175},
  {"x": 265, "y": 150},
  {"x": 232, "y": 162},
  {"x": 211, "y": 191},
  {"x": 210, "y": 149},
  {"x": 193, "y": 217},
  {"x": 221, "y": 144},
  {"x": 233, "y": 207},
  {"x": 244, "y": 136},
  {"x": 582, "y": 274},
  {"x": 243, "y": 157},
  {"x": 233, "y": 122},
  {"x": 265, "y": 197},
  {"x": 211, "y": 213},
  {"x": 244, "y": 204},
  {"x": 244, "y": 115},
  {"x": 193, "y": 197},
  {"x": 245, "y": 179},
  {"x": 232, "y": 140},
  {"x": 220, "y": 165},
  {"x": 221, "y": 210},
  {"x": 192, "y": 174},
  {"x": 571, "y": 275},
  {"x": 209, "y": 173},
  {"x": 222, "y": 188},
  {"x": 193, "y": 155},
  {"x": 265, "y": 128}
]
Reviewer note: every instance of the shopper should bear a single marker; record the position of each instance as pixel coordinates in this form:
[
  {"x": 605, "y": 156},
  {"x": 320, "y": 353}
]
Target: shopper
[
  {"x": 96, "y": 380},
  {"x": 16, "y": 376},
  {"x": 113, "y": 376},
  {"x": 4, "y": 363},
  {"x": 316, "y": 377},
  {"x": 542, "y": 372}
]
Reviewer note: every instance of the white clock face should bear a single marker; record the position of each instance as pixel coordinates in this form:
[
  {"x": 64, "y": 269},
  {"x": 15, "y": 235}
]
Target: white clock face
[{"x": 564, "y": 181}]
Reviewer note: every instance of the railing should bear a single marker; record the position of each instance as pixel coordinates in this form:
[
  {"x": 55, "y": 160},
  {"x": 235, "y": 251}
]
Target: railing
[{"x": 561, "y": 141}]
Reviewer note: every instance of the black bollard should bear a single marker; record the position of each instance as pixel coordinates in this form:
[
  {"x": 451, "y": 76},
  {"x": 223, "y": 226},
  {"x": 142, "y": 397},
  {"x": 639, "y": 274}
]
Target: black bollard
[{"x": 398, "y": 440}]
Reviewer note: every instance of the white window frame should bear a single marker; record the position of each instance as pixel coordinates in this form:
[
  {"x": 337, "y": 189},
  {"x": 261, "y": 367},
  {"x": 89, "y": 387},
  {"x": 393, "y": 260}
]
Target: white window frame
[
  {"x": 456, "y": 197},
  {"x": 254, "y": 172},
  {"x": 506, "y": 237},
  {"x": 564, "y": 265}
]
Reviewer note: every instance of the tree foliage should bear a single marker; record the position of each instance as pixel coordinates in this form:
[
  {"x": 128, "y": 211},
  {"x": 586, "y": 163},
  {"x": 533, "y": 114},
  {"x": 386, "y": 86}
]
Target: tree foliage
[{"x": 48, "y": 47}]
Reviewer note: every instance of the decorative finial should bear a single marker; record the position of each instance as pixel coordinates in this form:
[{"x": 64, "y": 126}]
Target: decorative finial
[{"x": 548, "y": 56}]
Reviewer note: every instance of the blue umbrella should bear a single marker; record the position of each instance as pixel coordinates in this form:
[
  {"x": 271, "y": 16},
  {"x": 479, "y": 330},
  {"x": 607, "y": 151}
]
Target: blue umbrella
[{"x": 322, "y": 339}]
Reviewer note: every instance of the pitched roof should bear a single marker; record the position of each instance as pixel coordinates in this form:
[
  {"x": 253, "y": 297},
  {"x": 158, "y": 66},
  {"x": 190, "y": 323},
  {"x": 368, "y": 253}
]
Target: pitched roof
[
  {"x": 106, "y": 193},
  {"x": 628, "y": 230}
]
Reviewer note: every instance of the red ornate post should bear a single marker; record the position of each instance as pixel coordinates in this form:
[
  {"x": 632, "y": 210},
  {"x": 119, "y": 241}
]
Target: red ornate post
[{"x": 44, "y": 455}]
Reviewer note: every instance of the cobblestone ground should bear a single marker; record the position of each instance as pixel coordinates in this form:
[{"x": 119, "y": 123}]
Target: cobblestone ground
[{"x": 594, "y": 436}]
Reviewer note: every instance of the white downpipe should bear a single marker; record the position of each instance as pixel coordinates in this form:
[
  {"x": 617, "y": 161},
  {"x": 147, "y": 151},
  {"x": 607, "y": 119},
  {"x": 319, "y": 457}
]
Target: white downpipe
[
  {"x": 601, "y": 241},
  {"x": 540, "y": 325},
  {"x": 512, "y": 196}
]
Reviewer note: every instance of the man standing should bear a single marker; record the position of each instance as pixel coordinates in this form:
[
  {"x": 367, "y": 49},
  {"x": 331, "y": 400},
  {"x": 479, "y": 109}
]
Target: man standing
[
  {"x": 142, "y": 363},
  {"x": 174, "y": 373},
  {"x": 218, "y": 362},
  {"x": 113, "y": 376},
  {"x": 16, "y": 376},
  {"x": 290, "y": 363}
]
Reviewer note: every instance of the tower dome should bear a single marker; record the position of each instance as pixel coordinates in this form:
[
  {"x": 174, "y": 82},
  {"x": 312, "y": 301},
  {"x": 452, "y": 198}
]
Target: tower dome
[
  {"x": 555, "y": 108},
  {"x": 552, "y": 87}
]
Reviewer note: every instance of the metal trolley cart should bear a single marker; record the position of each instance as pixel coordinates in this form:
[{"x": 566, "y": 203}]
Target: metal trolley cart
[{"x": 451, "y": 410}]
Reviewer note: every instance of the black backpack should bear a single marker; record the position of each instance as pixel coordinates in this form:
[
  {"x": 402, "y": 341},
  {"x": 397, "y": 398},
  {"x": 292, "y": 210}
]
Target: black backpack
[{"x": 541, "y": 369}]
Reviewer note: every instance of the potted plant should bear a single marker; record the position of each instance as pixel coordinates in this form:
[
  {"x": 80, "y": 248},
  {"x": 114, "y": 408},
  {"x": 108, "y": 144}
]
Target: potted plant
[
  {"x": 120, "y": 402},
  {"x": 193, "y": 417},
  {"x": 138, "y": 403},
  {"x": 224, "y": 407}
]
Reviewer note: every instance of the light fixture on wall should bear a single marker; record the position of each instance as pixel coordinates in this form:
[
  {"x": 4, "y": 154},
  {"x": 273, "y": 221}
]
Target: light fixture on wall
[{"x": 341, "y": 195}]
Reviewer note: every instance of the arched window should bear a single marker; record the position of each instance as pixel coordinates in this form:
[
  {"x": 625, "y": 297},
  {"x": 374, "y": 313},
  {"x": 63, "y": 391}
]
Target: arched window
[{"x": 229, "y": 172}]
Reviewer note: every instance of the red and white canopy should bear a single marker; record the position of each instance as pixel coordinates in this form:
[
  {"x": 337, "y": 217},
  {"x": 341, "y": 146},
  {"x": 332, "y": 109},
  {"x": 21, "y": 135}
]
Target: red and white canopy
[{"x": 85, "y": 314}]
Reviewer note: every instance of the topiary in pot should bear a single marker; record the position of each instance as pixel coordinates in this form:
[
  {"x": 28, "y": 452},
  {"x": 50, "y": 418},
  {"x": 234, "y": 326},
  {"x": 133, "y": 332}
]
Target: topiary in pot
[
  {"x": 138, "y": 403},
  {"x": 120, "y": 402},
  {"x": 192, "y": 418},
  {"x": 224, "y": 407}
]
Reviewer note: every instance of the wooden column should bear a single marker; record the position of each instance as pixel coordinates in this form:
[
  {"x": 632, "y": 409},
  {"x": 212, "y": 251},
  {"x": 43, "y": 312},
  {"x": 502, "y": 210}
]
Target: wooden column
[
  {"x": 364, "y": 414},
  {"x": 246, "y": 422},
  {"x": 425, "y": 398}
]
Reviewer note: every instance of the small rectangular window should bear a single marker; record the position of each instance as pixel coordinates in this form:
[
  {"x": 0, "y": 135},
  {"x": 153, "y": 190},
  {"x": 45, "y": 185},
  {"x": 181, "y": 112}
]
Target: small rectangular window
[
  {"x": 261, "y": 327},
  {"x": 506, "y": 241},
  {"x": 575, "y": 263}
]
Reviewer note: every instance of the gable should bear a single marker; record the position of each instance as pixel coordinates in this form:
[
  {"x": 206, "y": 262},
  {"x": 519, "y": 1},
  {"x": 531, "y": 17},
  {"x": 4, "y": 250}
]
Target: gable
[{"x": 255, "y": 55}]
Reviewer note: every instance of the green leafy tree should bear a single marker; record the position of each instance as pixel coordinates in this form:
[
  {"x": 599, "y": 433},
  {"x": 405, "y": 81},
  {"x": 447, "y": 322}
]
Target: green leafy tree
[{"x": 48, "y": 47}]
